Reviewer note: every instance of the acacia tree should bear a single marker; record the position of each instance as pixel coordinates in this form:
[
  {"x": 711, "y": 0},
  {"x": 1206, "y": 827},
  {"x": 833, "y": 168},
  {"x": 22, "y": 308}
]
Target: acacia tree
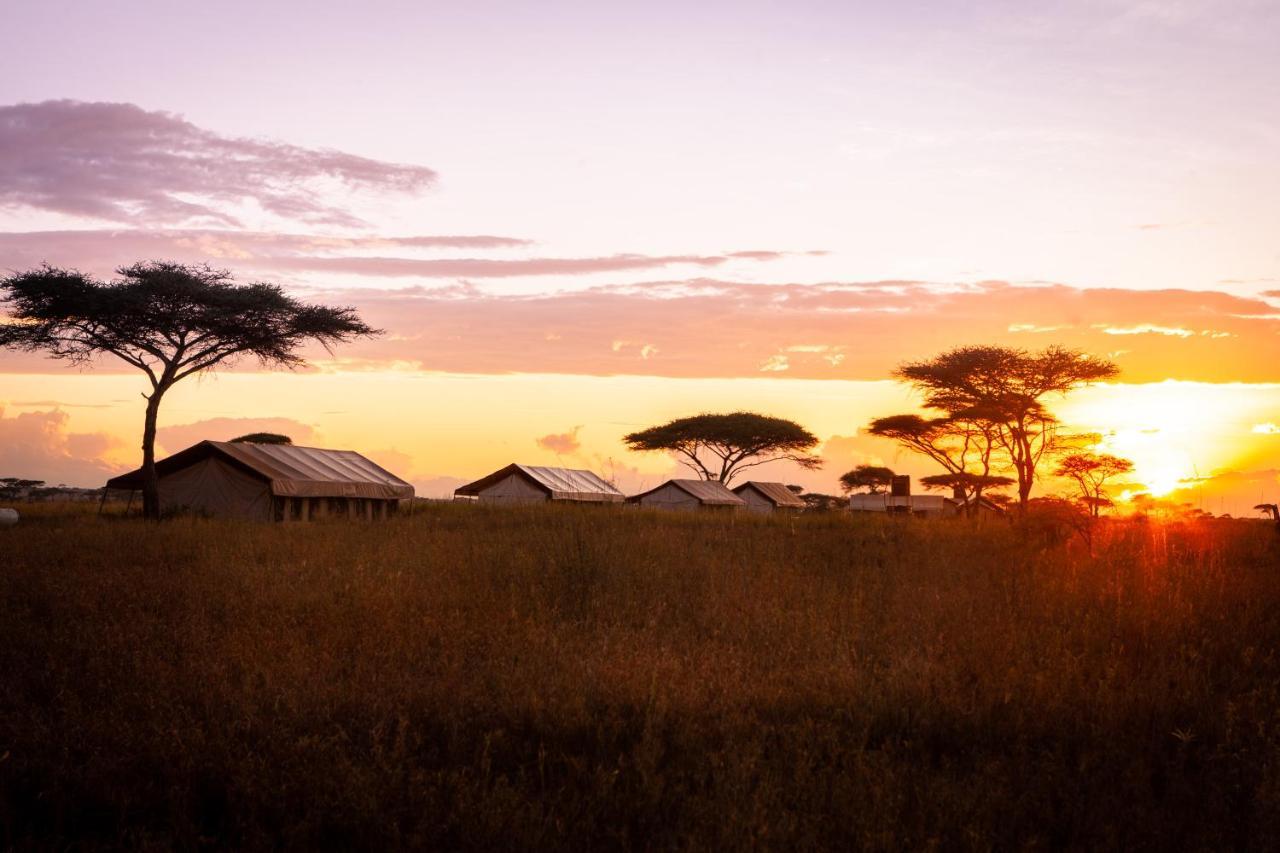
[
  {"x": 1009, "y": 387},
  {"x": 169, "y": 321},
  {"x": 1090, "y": 472},
  {"x": 717, "y": 447},
  {"x": 964, "y": 445},
  {"x": 873, "y": 478}
]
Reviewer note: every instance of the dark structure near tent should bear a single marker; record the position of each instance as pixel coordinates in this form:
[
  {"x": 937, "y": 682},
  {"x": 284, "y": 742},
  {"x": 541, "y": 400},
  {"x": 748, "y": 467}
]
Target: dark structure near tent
[{"x": 272, "y": 482}]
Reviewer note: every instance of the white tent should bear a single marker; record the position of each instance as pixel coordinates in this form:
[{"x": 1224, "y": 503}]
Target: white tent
[
  {"x": 272, "y": 481},
  {"x": 768, "y": 497},
  {"x": 689, "y": 494},
  {"x": 517, "y": 484}
]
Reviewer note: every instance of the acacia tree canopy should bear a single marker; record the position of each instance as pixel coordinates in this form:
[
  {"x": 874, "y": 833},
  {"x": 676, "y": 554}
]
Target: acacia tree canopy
[
  {"x": 873, "y": 478},
  {"x": 1090, "y": 472},
  {"x": 169, "y": 321},
  {"x": 965, "y": 482},
  {"x": 262, "y": 438},
  {"x": 719, "y": 446},
  {"x": 1007, "y": 388}
]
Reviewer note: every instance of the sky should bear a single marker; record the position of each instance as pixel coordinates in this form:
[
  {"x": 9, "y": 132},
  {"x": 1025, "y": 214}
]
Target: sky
[{"x": 576, "y": 219}]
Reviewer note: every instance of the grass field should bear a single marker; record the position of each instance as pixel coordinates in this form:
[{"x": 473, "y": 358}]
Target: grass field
[{"x": 542, "y": 678}]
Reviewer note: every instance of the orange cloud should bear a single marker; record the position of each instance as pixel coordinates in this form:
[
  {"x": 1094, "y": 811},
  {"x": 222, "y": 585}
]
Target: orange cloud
[
  {"x": 709, "y": 328},
  {"x": 181, "y": 436},
  {"x": 561, "y": 444},
  {"x": 39, "y": 445}
]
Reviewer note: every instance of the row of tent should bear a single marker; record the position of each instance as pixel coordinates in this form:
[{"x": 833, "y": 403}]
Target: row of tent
[
  {"x": 522, "y": 484},
  {"x": 286, "y": 482}
]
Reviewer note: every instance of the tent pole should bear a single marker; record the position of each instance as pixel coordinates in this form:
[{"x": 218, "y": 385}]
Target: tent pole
[
  {"x": 103, "y": 502},
  {"x": 127, "y": 506}
]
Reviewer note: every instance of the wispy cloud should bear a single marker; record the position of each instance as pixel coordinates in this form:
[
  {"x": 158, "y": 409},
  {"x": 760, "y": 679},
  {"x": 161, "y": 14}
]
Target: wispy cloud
[
  {"x": 121, "y": 163},
  {"x": 260, "y": 252}
]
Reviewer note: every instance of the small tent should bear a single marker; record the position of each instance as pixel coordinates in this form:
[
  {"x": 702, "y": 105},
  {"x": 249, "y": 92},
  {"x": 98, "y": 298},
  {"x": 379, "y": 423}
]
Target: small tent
[
  {"x": 265, "y": 482},
  {"x": 768, "y": 497},
  {"x": 522, "y": 484},
  {"x": 689, "y": 494}
]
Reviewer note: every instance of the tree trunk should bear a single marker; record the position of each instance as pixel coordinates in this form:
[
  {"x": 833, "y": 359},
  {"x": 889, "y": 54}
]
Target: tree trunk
[
  {"x": 150, "y": 479},
  {"x": 1026, "y": 471}
]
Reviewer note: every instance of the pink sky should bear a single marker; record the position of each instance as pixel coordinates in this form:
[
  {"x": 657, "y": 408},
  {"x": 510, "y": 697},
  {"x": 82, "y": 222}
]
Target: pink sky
[{"x": 793, "y": 196}]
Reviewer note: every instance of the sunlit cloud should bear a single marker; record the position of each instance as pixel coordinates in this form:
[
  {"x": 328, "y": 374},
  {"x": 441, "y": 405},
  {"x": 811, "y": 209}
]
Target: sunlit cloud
[
  {"x": 561, "y": 443},
  {"x": 1147, "y": 329}
]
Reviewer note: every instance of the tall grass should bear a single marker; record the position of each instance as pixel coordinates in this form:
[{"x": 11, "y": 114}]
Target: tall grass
[{"x": 544, "y": 677}]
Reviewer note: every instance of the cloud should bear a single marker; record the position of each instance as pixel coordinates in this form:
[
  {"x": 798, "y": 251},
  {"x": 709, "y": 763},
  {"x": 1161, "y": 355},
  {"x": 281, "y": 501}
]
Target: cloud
[
  {"x": 712, "y": 328},
  {"x": 1147, "y": 329},
  {"x": 485, "y": 267},
  {"x": 182, "y": 436},
  {"x": 121, "y": 163},
  {"x": 775, "y": 364},
  {"x": 101, "y": 251},
  {"x": 40, "y": 446},
  {"x": 440, "y": 487},
  {"x": 562, "y": 443}
]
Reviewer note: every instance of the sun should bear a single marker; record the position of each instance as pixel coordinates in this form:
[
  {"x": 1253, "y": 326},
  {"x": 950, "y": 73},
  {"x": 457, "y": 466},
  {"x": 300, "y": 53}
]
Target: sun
[{"x": 1172, "y": 431}]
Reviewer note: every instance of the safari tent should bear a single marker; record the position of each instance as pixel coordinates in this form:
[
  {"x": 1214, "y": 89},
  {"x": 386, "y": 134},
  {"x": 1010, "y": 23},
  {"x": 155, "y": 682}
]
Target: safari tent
[
  {"x": 272, "y": 482},
  {"x": 769, "y": 497},
  {"x": 523, "y": 484},
  {"x": 689, "y": 495}
]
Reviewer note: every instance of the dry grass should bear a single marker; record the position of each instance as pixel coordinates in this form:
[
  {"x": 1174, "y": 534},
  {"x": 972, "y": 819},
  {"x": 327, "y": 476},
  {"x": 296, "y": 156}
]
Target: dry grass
[{"x": 519, "y": 679}]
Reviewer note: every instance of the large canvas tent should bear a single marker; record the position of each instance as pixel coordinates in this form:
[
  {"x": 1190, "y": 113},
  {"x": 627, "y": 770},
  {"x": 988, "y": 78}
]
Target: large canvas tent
[
  {"x": 689, "y": 495},
  {"x": 768, "y": 497},
  {"x": 522, "y": 484},
  {"x": 265, "y": 482}
]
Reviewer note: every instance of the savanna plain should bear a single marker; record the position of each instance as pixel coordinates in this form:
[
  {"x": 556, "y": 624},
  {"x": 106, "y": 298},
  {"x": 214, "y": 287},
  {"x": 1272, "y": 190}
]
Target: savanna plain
[{"x": 531, "y": 678}]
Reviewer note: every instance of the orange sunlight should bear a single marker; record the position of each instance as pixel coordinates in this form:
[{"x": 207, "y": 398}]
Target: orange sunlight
[{"x": 1174, "y": 432}]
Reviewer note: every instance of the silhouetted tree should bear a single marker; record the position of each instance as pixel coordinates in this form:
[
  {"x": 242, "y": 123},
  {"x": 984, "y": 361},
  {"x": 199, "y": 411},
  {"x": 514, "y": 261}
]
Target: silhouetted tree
[
  {"x": 1008, "y": 388},
  {"x": 169, "y": 321},
  {"x": 16, "y": 487},
  {"x": 262, "y": 438},
  {"x": 968, "y": 487},
  {"x": 1090, "y": 472},
  {"x": 962, "y": 445},
  {"x": 873, "y": 478},
  {"x": 717, "y": 447}
]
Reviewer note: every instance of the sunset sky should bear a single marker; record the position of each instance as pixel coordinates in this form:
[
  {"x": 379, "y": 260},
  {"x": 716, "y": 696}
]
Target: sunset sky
[{"x": 576, "y": 219}]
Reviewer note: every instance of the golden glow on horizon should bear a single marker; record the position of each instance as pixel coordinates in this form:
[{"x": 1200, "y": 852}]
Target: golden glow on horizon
[{"x": 433, "y": 427}]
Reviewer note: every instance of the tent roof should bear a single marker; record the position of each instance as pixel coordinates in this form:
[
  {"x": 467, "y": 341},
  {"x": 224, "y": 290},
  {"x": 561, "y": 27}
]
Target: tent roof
[
  {"x": 711, "y": 492},
  {"x": 563, "y": 484},
  {"x": 776, "y": 493},
  {"x": 291, "y": 470}
]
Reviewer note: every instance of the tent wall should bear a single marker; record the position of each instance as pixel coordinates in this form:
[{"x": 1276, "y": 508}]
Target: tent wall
[
  {"x": 213, "y": 487},
  {"x": 756, "y": 502},
  {"x": 514, "y": 489}
]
